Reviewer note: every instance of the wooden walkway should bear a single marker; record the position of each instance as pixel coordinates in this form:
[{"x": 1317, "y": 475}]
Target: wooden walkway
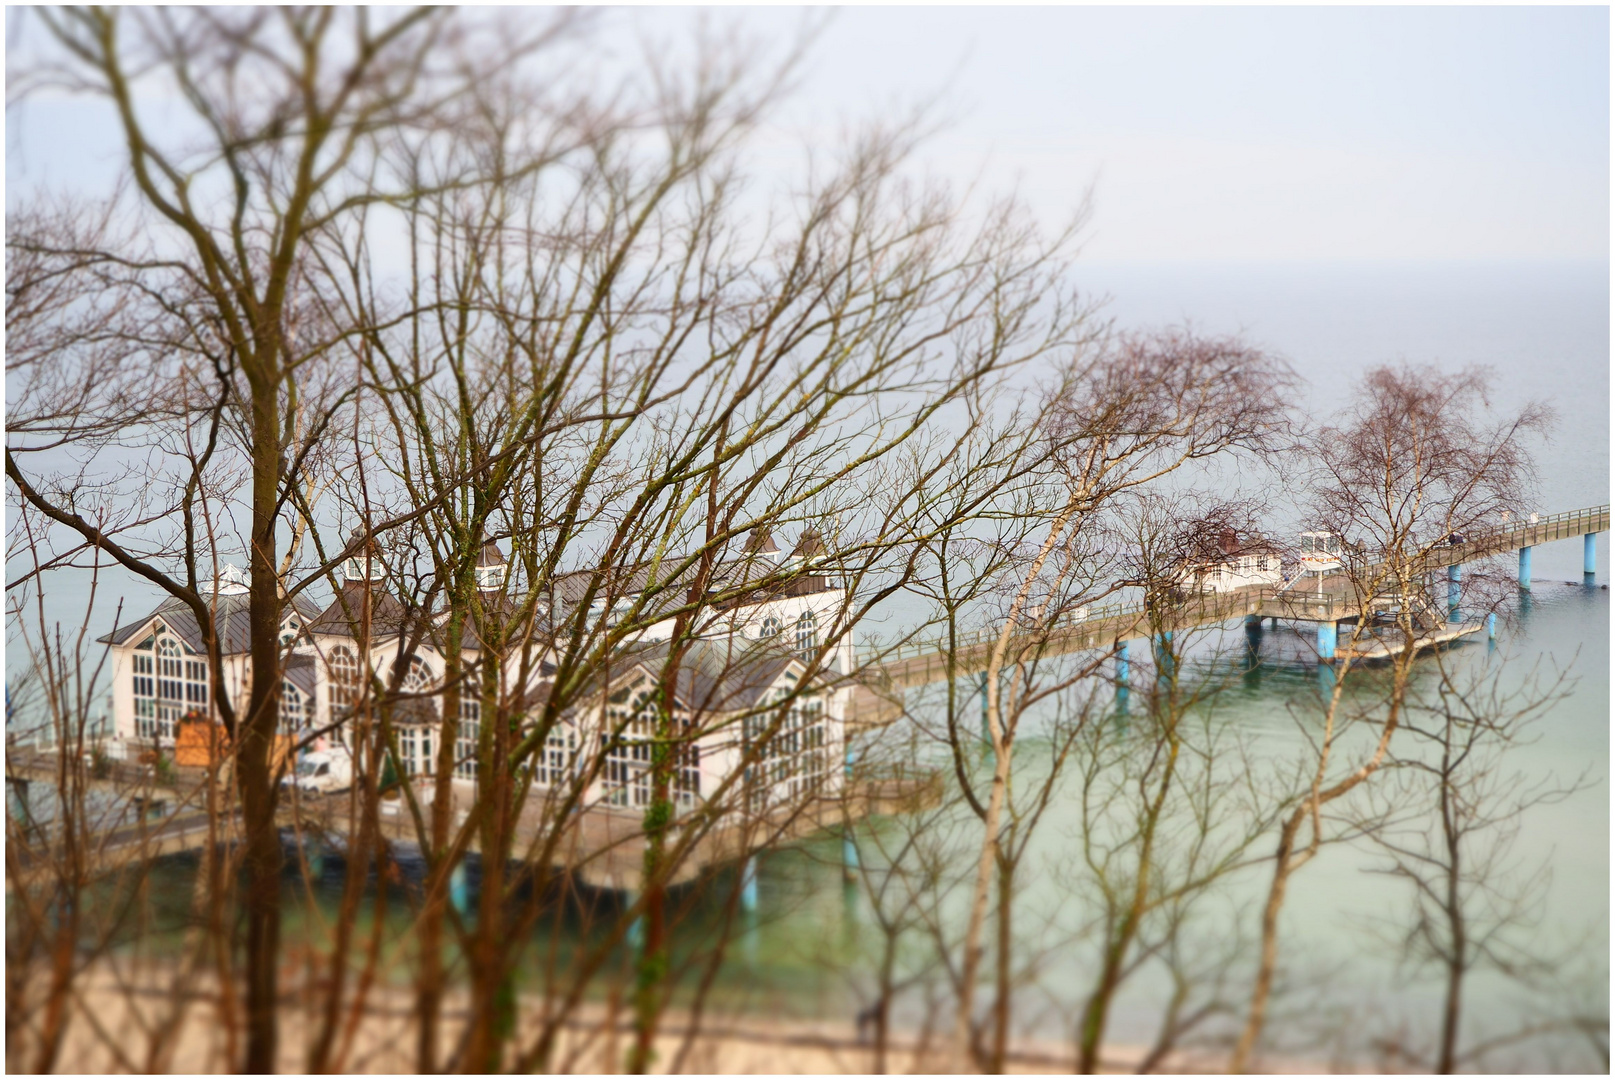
[
  {"x": 884, "y": 673},
  {"x": 602, "y": 846}
]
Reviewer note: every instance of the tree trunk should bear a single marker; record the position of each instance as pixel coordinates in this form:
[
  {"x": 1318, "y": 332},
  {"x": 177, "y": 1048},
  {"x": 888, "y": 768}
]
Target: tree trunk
[
  {"x": 257, "y": 736},
  {"x": 1240, "y": 1062},
  {"x": 1006, "y": 958}
]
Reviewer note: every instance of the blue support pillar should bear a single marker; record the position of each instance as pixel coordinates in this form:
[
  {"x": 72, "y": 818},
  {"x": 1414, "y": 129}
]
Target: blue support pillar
[
  {"x": 459, "y": 890},
  {"x": 748, "y": 885},
  {"x": 1589, "y": 554},
  {"x": 1327, "y": 634},
  {"x": 1326, "y": 680},
  {"x": 1165, "y": 663},
  {"x": 1491, "y": 627},
  {"x": 1455, "y": 577},
  {"x": 1525, "y": 569},
  {"x": 1121, "y": 676}
]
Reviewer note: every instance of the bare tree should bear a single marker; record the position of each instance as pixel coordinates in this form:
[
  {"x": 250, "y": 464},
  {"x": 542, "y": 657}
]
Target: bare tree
[
  {"x": 1134, "y": 414},
  {"x": 1168, "y": 807},
  {"x": 1473, "y": 897},
  {"x": 286, "y": 114},
  {"x": 1414, "y": 460}
]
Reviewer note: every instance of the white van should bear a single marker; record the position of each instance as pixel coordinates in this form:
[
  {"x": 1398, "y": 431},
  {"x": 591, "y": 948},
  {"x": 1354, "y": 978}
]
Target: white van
[{"x": 324, "y": 772}]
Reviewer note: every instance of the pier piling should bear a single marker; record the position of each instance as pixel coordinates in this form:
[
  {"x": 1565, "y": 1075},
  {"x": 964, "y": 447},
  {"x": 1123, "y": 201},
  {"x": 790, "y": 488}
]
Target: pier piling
[
  {"x": 1525, "y": 569},
  {"x": 636, "y": 929},
  {"x": 1327, "y": 635},
  {"x": 1455, "y": 577},
  {"x": 459, "y": 889},
  {"x": 1589, "y": 555},
  {"x": 748, "y": 884},
  {"x": 1121, "y": 677}
]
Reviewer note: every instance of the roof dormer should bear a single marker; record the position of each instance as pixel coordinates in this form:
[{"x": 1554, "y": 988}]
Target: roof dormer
[
  {"x": 365, "y": 563},
  {"x": 491, "y": 568},
  {"x": 229, "y": 582}
]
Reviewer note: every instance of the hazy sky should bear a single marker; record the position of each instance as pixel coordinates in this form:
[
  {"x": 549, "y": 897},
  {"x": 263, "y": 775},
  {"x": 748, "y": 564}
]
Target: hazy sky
[
  {"x": 1311, "y": 133},
  {"x": 1253, "y": 132}
]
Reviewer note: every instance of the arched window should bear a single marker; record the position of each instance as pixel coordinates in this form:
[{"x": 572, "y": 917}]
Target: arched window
[
  {"x": 343, "y": 668},
  {"x": 772, "y": 627},
  {"x": 417, "y": 678},
  {"x": 807, "y": 635},
  {"x": 292, "y": 713}
]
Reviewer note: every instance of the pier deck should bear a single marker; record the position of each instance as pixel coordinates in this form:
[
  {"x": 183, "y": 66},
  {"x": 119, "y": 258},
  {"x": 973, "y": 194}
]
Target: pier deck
[
  {"x": 884, "y": 673},
  {"x": 601, "y": 846}
]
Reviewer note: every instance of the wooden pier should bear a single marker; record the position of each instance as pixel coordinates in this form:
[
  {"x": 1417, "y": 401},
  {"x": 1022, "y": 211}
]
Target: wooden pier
[
  {"x": 885, "y": 673},
  {"x": 601, "y": 846},
  {"x": 604, "y": 845}
]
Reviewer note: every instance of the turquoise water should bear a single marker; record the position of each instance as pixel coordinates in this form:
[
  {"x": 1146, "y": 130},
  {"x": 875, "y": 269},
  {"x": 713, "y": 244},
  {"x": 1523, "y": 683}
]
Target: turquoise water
[
  {"x": 1543, "y": 330},
  {"x": 1342, "y": 919}
]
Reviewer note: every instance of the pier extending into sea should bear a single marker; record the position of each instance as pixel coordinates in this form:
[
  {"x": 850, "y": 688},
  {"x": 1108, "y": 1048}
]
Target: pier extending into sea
[
  {"x": 884, "y": 673},
  {"x": 603, "y": 846}
]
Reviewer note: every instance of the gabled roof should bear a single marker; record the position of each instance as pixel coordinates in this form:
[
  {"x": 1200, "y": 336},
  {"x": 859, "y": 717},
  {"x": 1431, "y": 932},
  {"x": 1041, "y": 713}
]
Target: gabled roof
[
  {"x": 387, "y": 615},
  {"x": 300, "y": 672},
  {"x": 620, "y": 583},
  {"x": 230, "y": 614},
  {"x": 714, "y": 676}
]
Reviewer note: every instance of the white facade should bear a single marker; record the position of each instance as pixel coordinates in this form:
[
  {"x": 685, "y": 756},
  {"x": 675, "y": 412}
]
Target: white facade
[{"x": 160, "y": 675}]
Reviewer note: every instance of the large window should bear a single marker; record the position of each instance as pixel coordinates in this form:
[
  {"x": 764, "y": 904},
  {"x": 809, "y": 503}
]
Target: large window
[
  {"x": 687, "y": 784},
  {"x": 418, "y": 678},
  {"x": 790, "y": 763},
  {"x": 467, "y": 737},
  {"x": 415, "y": 748},
  {"x": 807, "y": 636},
  {"x": 556, "y": 761},
  {"x": 630, "y": 734},
  {"x": 168, "y": 681},
  {"x": 343, "y": 668},
  {"x": 293, "y": 715}
]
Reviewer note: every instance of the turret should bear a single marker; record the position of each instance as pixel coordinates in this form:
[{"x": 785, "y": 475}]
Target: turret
[
  {"x": 365, "y": 563},
  {"x": 491, "y": 568}
]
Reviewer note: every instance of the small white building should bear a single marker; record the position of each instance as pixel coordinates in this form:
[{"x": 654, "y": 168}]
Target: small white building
[{"x": 1239, "y": 563}]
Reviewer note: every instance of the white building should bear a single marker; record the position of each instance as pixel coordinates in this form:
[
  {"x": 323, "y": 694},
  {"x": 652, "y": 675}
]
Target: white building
[{"x": 757, "y": 644}]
